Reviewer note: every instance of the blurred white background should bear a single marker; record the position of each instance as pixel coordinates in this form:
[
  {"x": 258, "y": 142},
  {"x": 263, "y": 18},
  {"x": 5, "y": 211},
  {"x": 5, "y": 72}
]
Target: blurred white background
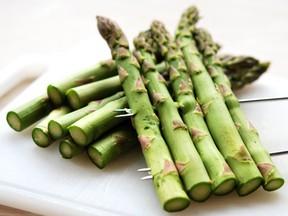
[{"x": 243, "y": 27}]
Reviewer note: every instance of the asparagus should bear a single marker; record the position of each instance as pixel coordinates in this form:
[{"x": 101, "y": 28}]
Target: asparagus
[
  {"x": 28, "y": 113},
  {"x": 40, "y": 133},
  {"x": 217, "y": 116},
  {"x": 93, "y": 125},
  {"x": 187, "y": 160},
  {"x": 57, "y": 91},
  {"x": 272, "y": 177},
  {"x": 242, "y": 70},
  {"x": 223, "y": 179},
  {"x": 113, "y": 144},
  {"x": 166, "y": 180},
  {"x": 81, "y": 95},
  {"x": 58, "y": 127},
  {"x": 69, "y": 149}
]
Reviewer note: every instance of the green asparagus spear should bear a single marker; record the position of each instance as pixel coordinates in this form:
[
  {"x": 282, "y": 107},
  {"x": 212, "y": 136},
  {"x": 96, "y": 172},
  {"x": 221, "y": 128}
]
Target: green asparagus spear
[
  {"x": 81, "y": 95},
  {"x": 40, "y": 133},
  {"x": 187, "y": 160},
  {"x": 29, "y": 113},
  {"x": 57, "y": 91},
  {"x": 165, "y": 176},
  {"x": 223, "y": 179},
  {"x": 272, "y": 178},
  {"x": 58, "y": 127},
  {"x": 69, "y": 149},
  {"x": 93, "y": 125},
  {"x": 217, "y": 116},
  {"x": 242, "y": 70},
  {"x": 112, "y": 144}
]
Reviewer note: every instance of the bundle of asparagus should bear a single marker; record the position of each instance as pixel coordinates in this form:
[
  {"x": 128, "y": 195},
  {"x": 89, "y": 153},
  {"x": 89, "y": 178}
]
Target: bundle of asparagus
[{"x": 169, "y": 91}]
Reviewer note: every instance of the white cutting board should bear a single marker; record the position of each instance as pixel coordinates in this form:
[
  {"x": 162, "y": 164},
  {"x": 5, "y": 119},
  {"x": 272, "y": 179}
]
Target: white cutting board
[{"x": 40, "y": 181}]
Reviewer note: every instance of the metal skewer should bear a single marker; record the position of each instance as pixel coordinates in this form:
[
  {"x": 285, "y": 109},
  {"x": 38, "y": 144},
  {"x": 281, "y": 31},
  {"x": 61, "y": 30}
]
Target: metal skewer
[
  {"x": 262, "y": 99},
  {"x": 128, "y": 113},
  {"x": 148, "y": 170}
]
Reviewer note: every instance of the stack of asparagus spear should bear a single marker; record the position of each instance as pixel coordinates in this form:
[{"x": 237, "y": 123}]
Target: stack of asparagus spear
[{"x": 174, "y": 97}]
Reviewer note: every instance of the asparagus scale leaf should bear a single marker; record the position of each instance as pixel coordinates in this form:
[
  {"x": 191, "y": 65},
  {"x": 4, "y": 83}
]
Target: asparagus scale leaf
[{"x": 166, "y": 180}]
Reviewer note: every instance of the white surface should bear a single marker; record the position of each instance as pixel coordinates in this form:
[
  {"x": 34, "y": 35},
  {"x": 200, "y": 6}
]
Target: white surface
[{"x": 39, "y": 180}]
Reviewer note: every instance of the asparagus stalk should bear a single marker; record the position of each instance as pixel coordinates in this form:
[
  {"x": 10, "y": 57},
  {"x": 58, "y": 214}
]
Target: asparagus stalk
[
  {"x": 28, "y": 113},
  {"x": 112, "y": 144},
  {"x": 81, "y": 95},
  {"x": 242, "y": 70},
  {"x": 272, "y": 177},
  {"x": 217, "y": 116},
  {"x": 166, "y": 180},
  {"x": 40, "y": 133},
  {"x": 187, "y": 160},
  {"x": 223, "y": 179},
  {"x": 93, "y": 125},
  {"x": 58, "y": 127},
  {"x": 69, "y": 149},
  {"x": 57, "y": 91}
]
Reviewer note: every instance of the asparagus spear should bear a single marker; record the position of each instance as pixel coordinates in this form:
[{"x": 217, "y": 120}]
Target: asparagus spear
[
  {"x": 242, "y": 70},
  {"x": 57, "y": 91},
  {"x": 165, "y": 176},
  {"x": 272, "y": 178},
  {"x": 93, "y": 125},
  {"x": 113, "y": 144},
  {"x": 217, "y": 116},
  {"x": 58, "y": 127},
  {"x": 69, "y": 149},
  {"x": 40, "y": 133},
  {"x": 81, "y": 95},
  {"x": 223, "y": 179},
  {"x": 188, "y": 162},
  {"x": 29, "y": 113}
]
